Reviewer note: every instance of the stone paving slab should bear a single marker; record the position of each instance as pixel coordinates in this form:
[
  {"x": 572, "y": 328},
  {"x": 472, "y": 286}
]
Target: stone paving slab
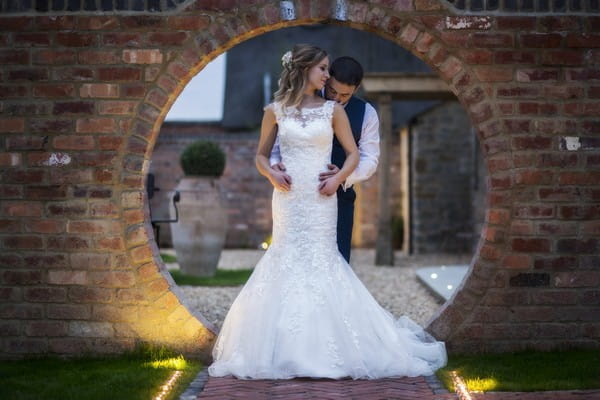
[{"x": 304, "y": 388}]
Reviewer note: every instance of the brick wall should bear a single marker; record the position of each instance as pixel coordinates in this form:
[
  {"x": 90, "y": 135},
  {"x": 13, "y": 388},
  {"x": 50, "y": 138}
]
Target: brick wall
[
  {"x": 83, "y": 99},
  {"x": 444, "y": 182}
]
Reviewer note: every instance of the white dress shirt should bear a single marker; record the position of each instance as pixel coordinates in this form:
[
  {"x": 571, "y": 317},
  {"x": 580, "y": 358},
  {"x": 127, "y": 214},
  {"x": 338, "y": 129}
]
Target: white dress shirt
[{"x": 368, "y": 149}]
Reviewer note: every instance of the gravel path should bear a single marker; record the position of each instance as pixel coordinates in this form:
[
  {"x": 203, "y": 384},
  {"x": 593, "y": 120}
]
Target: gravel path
[{"x": 395, "y": 288}]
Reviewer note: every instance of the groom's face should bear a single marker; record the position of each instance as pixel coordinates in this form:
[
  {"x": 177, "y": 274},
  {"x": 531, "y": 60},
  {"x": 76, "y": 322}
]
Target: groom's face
[{"x": 338, "y": 91}]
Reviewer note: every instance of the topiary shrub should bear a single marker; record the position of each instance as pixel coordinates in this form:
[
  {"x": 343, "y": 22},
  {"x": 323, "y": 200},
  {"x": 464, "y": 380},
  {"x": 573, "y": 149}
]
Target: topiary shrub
[{"x": 203, "y": 158}]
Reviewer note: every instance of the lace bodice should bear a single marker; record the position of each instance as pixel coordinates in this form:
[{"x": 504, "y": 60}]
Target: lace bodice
[{"x": 305, "y": 140}]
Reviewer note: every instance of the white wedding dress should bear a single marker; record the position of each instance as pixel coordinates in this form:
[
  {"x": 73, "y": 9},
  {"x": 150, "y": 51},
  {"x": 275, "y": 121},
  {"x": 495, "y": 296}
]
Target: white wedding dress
[{"x": 303, "y": 312}]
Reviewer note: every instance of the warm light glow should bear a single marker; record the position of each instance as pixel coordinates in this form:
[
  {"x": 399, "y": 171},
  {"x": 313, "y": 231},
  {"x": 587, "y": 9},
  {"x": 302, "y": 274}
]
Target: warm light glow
[
  {"x": 166, "y": 388},
  {"x": 169, "y": 363},
  {"x": 460, "y": 386},
  {"x": 449, "y": 287},
  {"x": 264, "y": 245},
  {"x": 434, "y": 276}
]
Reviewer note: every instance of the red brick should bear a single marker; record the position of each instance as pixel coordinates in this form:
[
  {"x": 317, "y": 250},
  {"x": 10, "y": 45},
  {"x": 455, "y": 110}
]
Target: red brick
[
  {"x": 21, "y": 277},
  {"x": 554, "y": 297},
  {"x": 427, "y": 5},
  {"x": 531, "y": 245},
  {"x": 10, "y": 159},
  {"x": 74, "y": 107},
  {"x": 577, "y": 279},
  {"x": 119, "y": 74},
  {"x": 110, "y": 142},
  {"x": 492, "y": 40},
  {"x": 22, "y": 209},
  {"x": 96, "y": 125},
  {"x": 541, "y": 40},
  {"x": 531, "y": 143},
  {"x": 55, "y": 22},
  {"x": 143, "y": 21},
  {"x": 136, "y": 91},
  {"x": 46, "y": 192},
  {"x": 517, "y": 261},
  {"x": 68, "y": 243},
  {"x": 11, "y": 23},
  {"x": 590, "y": 228},
  {"x": 73, "y": 74},
  {"x": 23, "y": 242},
  {"x": 16, "y": 91},
  {"x": 168, "y": 38},
  {"x": 557, "y": 160},
  {"x": 90, "y": 295},
  {"x": 514, "y": 57},
  {"x": 477, "y": 56},
  {"x": 98, "y": 57},
  {"x": 70, "y": 142},
  {"x": 46, "y": 328},
  {"x": 45, "y": 226},
  {"x": 563, "y": 92},
  {"x": 97, "y": 23},
  {"x": 518, "y": 227},
  {"x": 71, "y": 176},
  {"x": 53, "y": 90},
  {"x": 498, "y": 216},
  {"x": 582, "y": 74},
  {"x": 577, "y": 246},
  {"x": 560, "y": 23},
  {"x": 456, "y": 39},
  {"x": 560, "y": 194},
  {"x": 494, "y": 74},
  {"x": 12, "y": 125},
  {"x": 579, "y": 178},
  {"x": 142, "y": 56},
  {"x": 72, "y": 39},
  {"x": 580, "y": 212},
  {"x": 23, "y": 175},
  {"x": 28, "y": 74},
  {"x": 536, "y": 75},
  {"x": 45, "y": 295},
  {"x": 583, "y": 40},
  {"x": 188, "y": 23},
  {"x": 123, "y": 39},
  {"x": 563, "y": 57},
  {"x": 557, "y": 228},
  {"x": 14, "y": 56},
  {"x": 113, "y": 279},
  {"x": 556, "y": 263},
  {"x": 54, "y": 57},
  {"x": 518, "y": 23},
  {"x": 31, "y": 39},
  {"x": 100, "y": 90},
  {"x": 534, "y": 212}
]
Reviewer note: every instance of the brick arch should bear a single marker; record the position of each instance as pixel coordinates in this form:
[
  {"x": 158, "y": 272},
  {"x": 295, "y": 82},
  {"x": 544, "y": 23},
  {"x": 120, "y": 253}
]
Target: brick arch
[
  {"x": 79, "y": 117},
  {"x": 406, "y": 31}
]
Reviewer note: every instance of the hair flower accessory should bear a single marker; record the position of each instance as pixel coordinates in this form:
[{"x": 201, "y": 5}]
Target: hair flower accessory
[{"x": 286, "y": 60}]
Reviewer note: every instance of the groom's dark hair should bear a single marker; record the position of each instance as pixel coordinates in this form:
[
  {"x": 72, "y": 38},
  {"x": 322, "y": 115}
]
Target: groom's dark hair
[{"x": 346, "y": 70}]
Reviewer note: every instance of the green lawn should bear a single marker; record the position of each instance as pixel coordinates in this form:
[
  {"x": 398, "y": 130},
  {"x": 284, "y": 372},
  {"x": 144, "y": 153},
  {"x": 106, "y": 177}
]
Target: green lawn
[
  {"x": 527, "y": 371},
  {"x": 223, "y": 277},
  {"x": 136, "y": 376}
]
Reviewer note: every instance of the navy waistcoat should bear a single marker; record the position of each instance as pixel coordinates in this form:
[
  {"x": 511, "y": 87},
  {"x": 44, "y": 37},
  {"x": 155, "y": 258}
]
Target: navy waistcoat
[{"x": 355, "y": 109}]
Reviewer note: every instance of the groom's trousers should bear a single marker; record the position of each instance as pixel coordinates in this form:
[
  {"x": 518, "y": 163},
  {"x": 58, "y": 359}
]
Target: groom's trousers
[{"x": 345, "y": 220}]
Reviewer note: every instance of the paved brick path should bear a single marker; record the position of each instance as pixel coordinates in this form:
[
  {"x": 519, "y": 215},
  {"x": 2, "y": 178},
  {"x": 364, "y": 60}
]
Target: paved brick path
[{"x": 321, "y": 389}]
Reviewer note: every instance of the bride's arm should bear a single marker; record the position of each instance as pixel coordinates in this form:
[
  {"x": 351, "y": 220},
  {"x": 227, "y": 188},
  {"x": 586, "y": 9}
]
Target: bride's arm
[
  {"x": 343, "y": 133},
  {"x": 268, "y": 132}
]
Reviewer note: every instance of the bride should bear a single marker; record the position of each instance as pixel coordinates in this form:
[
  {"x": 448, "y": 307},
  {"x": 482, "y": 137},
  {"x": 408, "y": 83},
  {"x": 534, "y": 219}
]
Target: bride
[{"x": 303, "y": 312}]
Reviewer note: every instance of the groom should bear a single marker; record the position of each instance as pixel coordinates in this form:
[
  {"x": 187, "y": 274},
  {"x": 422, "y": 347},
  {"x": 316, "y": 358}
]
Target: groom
[{"x": 346, "y": 76}]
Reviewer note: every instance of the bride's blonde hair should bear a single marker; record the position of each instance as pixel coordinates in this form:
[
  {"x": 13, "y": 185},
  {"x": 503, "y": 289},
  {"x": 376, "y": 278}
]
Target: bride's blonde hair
[{"x": 294, "y": 76}]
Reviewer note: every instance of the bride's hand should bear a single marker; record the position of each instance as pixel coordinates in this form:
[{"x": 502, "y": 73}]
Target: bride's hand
[
  {"x": 280, "y": 180},
  {"x": 329, "y": 186}
]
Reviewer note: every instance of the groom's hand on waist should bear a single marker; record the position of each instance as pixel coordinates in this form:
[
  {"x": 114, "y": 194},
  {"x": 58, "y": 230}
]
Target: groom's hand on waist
[
  {"x": 279, "y": 179},
  {"x": 331, "y": 171}
]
